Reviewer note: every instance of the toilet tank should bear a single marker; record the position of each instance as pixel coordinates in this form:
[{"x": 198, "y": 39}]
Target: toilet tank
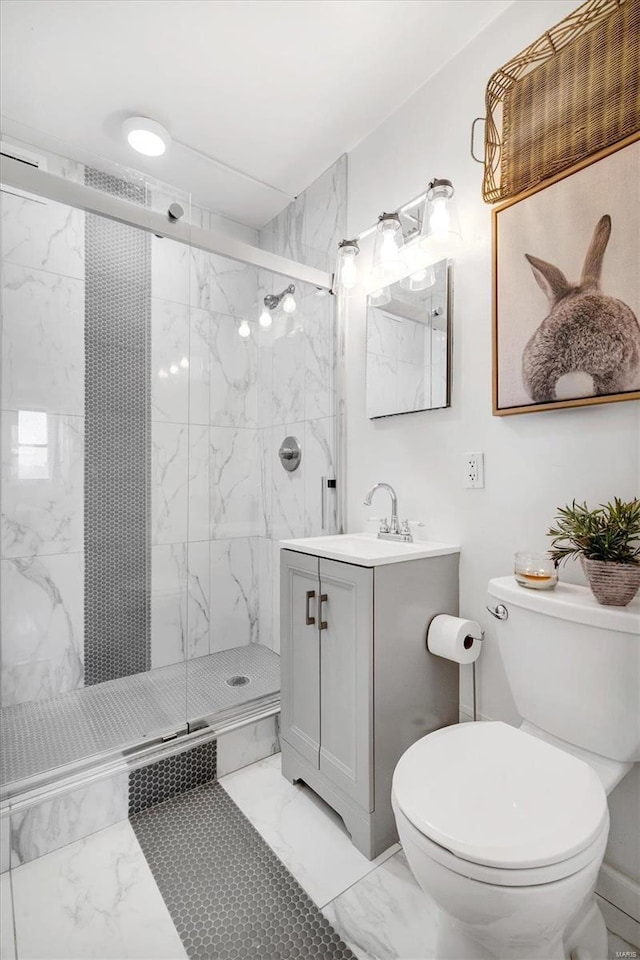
[{"x": 573, "y": 665}]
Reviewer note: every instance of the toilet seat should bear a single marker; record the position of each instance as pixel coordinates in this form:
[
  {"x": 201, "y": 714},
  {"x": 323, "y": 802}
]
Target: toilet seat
[{"x": 492, "y": 800}]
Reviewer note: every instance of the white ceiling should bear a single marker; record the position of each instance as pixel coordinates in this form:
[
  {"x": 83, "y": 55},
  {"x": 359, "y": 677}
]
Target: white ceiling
[{"x": 276, "y": 88}]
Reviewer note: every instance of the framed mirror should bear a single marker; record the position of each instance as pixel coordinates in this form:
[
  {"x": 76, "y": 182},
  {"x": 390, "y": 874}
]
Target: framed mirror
[{"x": 408, "y": 364}]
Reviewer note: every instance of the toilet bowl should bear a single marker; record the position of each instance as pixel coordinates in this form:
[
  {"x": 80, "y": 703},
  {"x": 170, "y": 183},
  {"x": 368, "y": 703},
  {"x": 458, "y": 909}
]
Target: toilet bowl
[{"x": 505, "y": 833}]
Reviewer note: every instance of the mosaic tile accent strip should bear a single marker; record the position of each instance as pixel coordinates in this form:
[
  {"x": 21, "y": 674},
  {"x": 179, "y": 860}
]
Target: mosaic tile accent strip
[
  {"x": 117, "y": 540},
  {"x": 42, "y": 734},
  {"x": 167, "y": 778},
  {"x": 228, "y": 894}
]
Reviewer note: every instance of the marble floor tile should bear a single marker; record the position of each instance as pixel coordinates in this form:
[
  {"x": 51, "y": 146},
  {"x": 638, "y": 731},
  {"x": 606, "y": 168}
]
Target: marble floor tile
[
  {"x": 95, "y": 898},
  {"x": 385, "y": 916},
  {"x": 304, "y": 832},
  {"x": 7, "y": 934}
]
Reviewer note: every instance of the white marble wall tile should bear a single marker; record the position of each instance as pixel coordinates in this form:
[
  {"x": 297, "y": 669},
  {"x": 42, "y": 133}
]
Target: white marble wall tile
[
  {"x": 168, "y": 603},
  {"x": 7, "y": 933},
  {"x": 234, "y": 593},
  {"x": 42, "y": 235},
  {"x": 234, "y": 482},
  {"x": 325, "y": 211},
  {"x": 233, "y": 286},
  {"x": 200, "y": 279},
  {"x": 200, "y": 366},
  {"x": 245, "y": 746},
  {"x": 265, "y": 377},
  {"x": 42, "y": 627},
  {"x": 199, "y": 486},
  {"x": 234, "y": 363},
  {"x": 199, "y": 599},
  {"x": 319, "y": 446},
  {"x": 93, "y": 898},
  {"x": 170, "y": 270},
  {"x": 52, "y": 825},
  {"x": 288, "y": 372},
  {"x": 169, "y": 482},
  {"x": 5, "y": 844},
  {"x": 288, "y": 488},
  {"x": 265, "y": 481},
  {"x": 386, "y": 915},
  {"x": 170, "y": 370},
  {"x": 320, "y": 355},
  {"x": 42, "y": 341},
  {"x": 265, "y": 592},
  {"x": 286, "y": 231},
  {"x": 42, "y": 483},
  {"x": 382, "y": 334}
]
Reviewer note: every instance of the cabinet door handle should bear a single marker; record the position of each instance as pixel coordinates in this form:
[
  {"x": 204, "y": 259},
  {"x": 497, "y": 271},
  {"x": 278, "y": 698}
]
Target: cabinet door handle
[
  {"x": 323, "y": 599},
  {"x": 309, "y": 620}
]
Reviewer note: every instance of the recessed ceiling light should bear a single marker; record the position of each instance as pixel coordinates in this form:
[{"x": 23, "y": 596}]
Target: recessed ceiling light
[{"x": 146, "y": 136}]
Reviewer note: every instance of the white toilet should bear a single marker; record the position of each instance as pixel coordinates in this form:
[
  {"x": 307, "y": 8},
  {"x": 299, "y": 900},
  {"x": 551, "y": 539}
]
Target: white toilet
[{"x": 505, "y": 828}]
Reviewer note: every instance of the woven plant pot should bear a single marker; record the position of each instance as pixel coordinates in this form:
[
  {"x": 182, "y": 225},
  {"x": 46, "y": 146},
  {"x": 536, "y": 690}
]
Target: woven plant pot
[{"x": 613, "y": 584}]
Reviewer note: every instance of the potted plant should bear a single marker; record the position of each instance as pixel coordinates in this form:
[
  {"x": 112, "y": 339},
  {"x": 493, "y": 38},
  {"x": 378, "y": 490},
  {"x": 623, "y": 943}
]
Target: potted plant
[{"x": 607, "y": 540}]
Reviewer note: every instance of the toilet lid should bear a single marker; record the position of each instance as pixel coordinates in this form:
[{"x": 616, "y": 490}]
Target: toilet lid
[{"x": 494, "y": 795}]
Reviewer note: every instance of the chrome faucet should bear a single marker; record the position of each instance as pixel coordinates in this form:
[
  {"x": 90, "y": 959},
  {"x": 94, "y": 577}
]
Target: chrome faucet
[{"x": 391, "y": 530}]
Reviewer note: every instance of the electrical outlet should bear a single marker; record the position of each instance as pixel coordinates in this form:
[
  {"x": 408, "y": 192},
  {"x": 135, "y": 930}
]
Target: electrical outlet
[{"x": 474, "y": 470}]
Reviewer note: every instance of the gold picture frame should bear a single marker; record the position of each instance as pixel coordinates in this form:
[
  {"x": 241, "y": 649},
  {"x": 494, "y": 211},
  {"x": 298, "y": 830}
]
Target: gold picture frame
[{"x": 583, "y": 346}]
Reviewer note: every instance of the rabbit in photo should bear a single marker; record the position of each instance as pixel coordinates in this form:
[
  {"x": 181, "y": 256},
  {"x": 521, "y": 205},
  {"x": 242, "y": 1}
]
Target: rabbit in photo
[{"x": 586, "y": 334}]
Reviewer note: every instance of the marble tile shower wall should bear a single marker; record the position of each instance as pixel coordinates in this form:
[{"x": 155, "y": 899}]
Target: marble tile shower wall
[
  {"x": 296, "y": 386},
  {"x": 43, "y": 421}
]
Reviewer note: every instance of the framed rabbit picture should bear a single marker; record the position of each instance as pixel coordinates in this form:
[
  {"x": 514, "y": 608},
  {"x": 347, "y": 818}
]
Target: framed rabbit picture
[{"x": 566, "y": 287}]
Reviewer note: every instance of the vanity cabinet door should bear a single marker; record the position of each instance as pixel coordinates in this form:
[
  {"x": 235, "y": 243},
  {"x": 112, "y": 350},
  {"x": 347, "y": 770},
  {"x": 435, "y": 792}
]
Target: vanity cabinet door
[
  {"x": 300, "y": 654},
  {"x": 346, "y": 678}
]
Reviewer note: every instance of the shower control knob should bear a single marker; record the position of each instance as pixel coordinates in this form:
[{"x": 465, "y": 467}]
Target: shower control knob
[{"x": 290, "y": 454}]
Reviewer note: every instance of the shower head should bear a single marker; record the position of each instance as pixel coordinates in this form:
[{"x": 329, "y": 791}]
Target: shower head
[{"x": 273, "y": 300}]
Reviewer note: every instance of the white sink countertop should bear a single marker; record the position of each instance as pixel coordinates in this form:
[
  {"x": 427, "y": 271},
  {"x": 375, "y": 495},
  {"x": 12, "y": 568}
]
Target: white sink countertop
[{"x": 365, "y": 550}]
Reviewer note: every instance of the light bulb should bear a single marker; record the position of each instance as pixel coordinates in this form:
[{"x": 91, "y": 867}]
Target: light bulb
[
  {"x": 387, "y": 256},
  {"x": 184, "y": 363},
  {"x": 289, "y": 303},
  {"x": 349, "y": 273},
  {"x": 389, "y": 251},
  {"x": 174, "y": 368},
  {"x": 265, "y": 319},
  {"x": 244, "y": 330},
  {"x": 439, "y": 220}
]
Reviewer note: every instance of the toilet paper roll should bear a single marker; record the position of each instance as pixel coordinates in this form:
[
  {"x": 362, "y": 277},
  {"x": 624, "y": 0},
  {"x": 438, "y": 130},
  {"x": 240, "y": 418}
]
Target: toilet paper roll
[{"x": 454, "y": 638}]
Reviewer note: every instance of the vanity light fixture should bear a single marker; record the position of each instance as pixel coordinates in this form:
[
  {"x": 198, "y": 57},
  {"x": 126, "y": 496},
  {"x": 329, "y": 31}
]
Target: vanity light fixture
[
  {"x": 347, "y": 271},
  {"x": 440, "y": 233},
  {"x": 387, "y": 249},
  {"x": 273, "y": 300},
  {"x": 146, "y": 136}
]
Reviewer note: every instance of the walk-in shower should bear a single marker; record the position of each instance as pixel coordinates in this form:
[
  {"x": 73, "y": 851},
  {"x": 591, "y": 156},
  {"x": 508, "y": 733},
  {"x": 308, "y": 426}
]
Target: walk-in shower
[{"x": 143, "y": 407}]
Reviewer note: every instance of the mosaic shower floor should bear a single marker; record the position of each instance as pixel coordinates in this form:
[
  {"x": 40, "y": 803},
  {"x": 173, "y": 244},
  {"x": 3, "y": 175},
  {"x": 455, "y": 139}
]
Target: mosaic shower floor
[
  {"x": 43, "y": 734},
  {"x": 249, "y": 867}
]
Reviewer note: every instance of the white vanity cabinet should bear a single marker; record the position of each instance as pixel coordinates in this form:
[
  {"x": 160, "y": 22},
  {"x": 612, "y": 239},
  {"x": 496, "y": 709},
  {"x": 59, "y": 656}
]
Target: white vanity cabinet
[{"x": 358, "y": 684}]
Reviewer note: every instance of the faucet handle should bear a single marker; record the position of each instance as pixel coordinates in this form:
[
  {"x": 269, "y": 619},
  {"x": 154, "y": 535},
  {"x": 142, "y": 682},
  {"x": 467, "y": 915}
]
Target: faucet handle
[{"x": 384, "y": 523}]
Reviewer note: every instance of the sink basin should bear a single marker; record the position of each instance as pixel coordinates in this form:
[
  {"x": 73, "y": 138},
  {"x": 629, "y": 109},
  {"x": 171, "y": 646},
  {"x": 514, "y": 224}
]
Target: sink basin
[{"x": 365, "y": 550}]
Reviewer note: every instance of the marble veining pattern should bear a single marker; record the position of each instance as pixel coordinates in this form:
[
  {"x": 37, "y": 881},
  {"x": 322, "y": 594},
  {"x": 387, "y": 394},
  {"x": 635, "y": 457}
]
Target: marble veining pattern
[
  {"x": 169, "y": 482},
  {"x": 170, "y": 369},
  {"x": 42, "y": 341},
  {"x": 233, "y": 391},
  {"x": 42, "y": 627},
  {"x": 234, "y": 593},
  {"x": 42, "y": 483},
  {"x": 52, "y": 825},
  {"x": 95, "y": 898},
  {"x": 304, "y": 832},
  {"x": 168, "y": 603},
  {"x": 233, "y": 482},
  {"x": 42, "y": 235}
]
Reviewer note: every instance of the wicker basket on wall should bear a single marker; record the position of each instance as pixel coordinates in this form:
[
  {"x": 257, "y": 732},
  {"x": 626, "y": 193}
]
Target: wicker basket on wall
[{"x": 571, "y": 93}]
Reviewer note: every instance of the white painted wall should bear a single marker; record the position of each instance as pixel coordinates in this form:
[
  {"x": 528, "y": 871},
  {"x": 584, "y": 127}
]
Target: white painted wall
[{"x": 534, "y": 462}]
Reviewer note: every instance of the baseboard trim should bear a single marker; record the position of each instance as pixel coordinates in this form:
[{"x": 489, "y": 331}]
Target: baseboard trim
[
  {"x": 620, "y": 890},
  {"x": 619, "y": 922}
]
